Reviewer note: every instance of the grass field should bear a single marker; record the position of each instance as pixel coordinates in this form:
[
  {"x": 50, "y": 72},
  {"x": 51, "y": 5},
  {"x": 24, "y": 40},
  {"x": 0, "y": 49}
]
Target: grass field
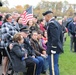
[{"x": 67, "y": 60}]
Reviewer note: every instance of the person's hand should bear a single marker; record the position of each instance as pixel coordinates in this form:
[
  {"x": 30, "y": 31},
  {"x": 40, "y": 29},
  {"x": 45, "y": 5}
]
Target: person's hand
[
  {"x": 25, "y": 55},
  {"x": 10, "y": 46},
  {"x": 23, "y": 49},
  {"x": 44, "y": 56},
  {"x": 53, "y": 52},
  {"x": 33, "y": 56}
]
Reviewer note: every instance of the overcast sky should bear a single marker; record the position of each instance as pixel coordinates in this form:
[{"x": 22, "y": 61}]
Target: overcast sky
[{"x": 14, "y": 3}]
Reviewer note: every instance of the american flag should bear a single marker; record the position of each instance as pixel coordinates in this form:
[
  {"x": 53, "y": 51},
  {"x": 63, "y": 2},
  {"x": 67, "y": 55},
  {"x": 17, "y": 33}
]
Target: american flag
[{"x": 27, "y": 15}]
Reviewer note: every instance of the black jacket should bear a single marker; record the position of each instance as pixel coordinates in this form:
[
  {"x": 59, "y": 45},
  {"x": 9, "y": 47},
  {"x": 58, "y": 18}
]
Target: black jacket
[
  {"x": 55, "y": 39},
  {"x": 72, "y": 28},
  {"x": 17, "y": 53},
  {"x": 29, "y": 48}
]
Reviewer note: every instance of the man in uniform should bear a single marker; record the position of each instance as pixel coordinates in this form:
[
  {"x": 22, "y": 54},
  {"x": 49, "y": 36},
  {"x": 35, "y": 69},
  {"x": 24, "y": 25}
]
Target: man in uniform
[{"x": 54, "y": 45}]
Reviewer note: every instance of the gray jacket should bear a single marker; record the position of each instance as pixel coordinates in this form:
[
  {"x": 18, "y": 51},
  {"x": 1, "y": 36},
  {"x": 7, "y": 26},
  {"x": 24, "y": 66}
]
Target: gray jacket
[{"x": 17, "y": 53}]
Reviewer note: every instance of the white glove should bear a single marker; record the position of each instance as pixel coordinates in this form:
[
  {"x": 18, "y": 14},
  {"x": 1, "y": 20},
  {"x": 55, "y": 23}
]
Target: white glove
[{"x": 53, "y": 52}]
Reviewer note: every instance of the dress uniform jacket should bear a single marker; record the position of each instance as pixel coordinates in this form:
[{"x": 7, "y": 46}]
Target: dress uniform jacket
[{"x": 54, "y": 37}]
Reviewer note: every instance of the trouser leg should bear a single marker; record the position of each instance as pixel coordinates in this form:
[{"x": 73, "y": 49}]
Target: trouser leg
[
  {"x": 53, "y": 64},
  {"x": 30, "y": 64}
]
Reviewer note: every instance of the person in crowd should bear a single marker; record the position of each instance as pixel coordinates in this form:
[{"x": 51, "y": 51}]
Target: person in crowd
[
  {"x": 38, "y": 22},
  {"x": 35, "y": 20},
  {"x": 3, "y": 15},
  {"x": 42, "y": 25},
  {"x": 72, "y": 30},
  {"x": 0, "y": 20},
  {"x": 34, "y": 43},
  {"x": 65, "y": 23},
  {"x": 44, "y": 40},
  {"x": 40, "y": 35},
  {"x": 42, "y": 43},
  {"x": 40, "y": 39},
  {"x": 63, "y": 28},
  {"x": 7, "y": 30},
  {"x": 39, "y": 50},
  {"x": 31, "y": 25},
  {"x": 25, "y": 32},
  {"x": 39, "y": 62},
  {"x": 71, "y": 36},
  {"x": 54, "y": 44},
  {"x": 17, "y": 54},
  {"x": 0, "y": 49},
  {"x": 15, "y": 15},
  {"x": 19, "y": 21},
  {"x": 0, "y": 38}
]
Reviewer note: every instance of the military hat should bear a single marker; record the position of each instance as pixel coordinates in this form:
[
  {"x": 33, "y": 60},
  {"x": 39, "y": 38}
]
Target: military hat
[
  {"x": 24, "y": 29},
  {"x": 47, "y": 12}
]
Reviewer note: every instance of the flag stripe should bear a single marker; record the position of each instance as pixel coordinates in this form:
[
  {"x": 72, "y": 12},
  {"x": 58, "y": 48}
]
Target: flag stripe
[{"x": 27, "y": 15}]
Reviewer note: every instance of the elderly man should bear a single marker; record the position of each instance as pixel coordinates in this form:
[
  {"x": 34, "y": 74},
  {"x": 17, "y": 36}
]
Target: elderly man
[{"x": 54, "y": 45}]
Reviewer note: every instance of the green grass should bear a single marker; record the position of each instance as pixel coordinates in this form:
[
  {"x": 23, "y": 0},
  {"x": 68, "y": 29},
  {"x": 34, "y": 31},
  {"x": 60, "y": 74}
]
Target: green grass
[{"x": 67, "y": 60}]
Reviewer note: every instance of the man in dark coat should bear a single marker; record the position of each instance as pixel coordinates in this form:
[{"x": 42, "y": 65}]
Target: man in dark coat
[
  {"x": 54, "y": 45},
  {"x": 72, "y": 30},
  {"x": 31, "y": 53},
  {"x": 30, "y": 64}
]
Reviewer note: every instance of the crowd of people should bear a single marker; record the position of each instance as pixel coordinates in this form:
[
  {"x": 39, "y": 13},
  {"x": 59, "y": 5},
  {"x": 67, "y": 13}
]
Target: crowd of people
[
  {"x": 32, "y": 47},
  {"x": 36, "y": 46}
]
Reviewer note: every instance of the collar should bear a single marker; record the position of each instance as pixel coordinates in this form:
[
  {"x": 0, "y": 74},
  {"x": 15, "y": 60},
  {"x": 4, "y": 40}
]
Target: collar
[{"x": 51, "y": 19}]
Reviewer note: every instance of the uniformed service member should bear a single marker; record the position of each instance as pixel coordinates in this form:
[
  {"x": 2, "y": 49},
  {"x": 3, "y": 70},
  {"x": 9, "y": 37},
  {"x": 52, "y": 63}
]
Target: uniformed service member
[{"x": 54, "y": 45}]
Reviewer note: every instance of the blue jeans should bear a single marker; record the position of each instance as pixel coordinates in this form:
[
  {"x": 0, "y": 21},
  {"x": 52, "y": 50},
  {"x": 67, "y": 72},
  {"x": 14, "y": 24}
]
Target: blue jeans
[
  {"x": 39, "y": 63},
  {"x": 45, "y": 65},
  {"x": 55, "y": 60}
]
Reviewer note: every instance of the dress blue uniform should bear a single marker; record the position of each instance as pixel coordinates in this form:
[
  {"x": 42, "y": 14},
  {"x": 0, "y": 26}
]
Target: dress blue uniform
[{"x": 54, "y": 45}]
